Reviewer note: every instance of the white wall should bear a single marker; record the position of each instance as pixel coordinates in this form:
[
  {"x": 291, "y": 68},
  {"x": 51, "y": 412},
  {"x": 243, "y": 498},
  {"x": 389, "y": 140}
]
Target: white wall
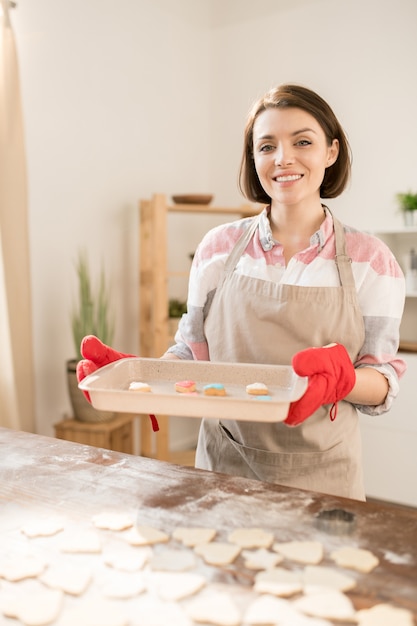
[
  {"x": 358, "y": 54},
  {"x": 116, "y": 107},
  {"x": 125, "y": 99}
]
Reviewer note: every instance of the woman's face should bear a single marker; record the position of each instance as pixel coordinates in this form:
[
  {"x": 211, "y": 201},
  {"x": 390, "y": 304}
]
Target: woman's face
[{"x": 291, "y": 155}]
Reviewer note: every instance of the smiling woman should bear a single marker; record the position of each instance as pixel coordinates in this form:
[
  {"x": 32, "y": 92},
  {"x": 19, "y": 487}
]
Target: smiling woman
[{"x": 293, "y": 285}]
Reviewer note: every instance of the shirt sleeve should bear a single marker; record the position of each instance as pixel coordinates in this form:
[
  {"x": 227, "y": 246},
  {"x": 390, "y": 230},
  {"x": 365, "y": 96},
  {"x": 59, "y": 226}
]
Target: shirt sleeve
[{"x": 380, "y": 287}]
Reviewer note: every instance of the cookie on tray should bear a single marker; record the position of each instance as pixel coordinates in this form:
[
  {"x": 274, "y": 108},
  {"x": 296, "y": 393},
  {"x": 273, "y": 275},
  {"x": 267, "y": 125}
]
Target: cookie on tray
[{"x": 214, "y": 389}]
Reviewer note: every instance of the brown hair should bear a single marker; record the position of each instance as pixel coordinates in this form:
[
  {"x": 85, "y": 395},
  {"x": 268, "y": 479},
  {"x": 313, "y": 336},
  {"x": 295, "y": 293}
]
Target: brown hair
[{"x": 336, "y": 176}]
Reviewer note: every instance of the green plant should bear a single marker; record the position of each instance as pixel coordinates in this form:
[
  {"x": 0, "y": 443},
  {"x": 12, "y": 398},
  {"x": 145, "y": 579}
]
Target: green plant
[
  {"x": 91, "y": 316},
  {"x": 407, "y": 201},
  {"x": 176, "y": 308}
]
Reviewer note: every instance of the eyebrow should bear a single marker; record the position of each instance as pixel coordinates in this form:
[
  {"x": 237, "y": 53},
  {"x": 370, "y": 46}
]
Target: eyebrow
[{"x": 296, "y": 132}]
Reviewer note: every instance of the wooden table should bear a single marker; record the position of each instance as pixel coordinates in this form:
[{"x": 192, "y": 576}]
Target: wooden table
[{"x": 45, "y": 476}]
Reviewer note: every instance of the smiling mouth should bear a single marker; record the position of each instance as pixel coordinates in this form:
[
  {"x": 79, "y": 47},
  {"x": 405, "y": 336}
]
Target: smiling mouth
[{"x": 287, "y": 179}]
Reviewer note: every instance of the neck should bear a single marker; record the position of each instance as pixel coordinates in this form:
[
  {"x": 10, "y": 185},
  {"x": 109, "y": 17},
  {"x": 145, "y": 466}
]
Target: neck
[{"x": 297, "y": 222}]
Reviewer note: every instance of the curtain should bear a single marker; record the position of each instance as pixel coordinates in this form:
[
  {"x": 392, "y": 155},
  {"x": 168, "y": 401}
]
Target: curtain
[{"x": 16, "y": 360}]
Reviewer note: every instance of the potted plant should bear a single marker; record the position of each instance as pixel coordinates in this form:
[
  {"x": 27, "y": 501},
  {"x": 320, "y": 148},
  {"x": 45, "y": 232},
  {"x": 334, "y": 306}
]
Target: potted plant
[
  {"x": 408, "y": 206},
  {"x": 90, "y": 316}
]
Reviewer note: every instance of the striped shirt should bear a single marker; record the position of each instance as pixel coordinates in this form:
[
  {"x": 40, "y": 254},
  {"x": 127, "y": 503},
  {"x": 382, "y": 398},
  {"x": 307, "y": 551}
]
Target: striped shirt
[{"x": 378, "y": 278}]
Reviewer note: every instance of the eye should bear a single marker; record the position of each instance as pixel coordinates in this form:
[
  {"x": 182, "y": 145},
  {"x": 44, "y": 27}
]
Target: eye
[
  {"x": 266, "y": 148},
  {"x": 303, "y": 142}
]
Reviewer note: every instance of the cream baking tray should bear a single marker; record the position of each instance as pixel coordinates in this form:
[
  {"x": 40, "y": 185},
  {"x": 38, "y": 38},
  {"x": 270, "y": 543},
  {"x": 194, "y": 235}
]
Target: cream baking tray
[{"x": 109, "y": 389}]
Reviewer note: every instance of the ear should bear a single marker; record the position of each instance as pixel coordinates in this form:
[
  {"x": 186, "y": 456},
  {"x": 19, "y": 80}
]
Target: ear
[{"x": 332, "y": 153}]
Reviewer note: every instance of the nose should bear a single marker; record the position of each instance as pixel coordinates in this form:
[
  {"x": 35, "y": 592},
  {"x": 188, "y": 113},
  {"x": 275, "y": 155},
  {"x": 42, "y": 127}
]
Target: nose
[{"x": 283, "y": 155}]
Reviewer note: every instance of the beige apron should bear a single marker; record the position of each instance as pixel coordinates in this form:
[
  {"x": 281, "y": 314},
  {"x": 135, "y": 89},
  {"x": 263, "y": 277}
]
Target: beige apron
[{"x": 256, "y": 321}]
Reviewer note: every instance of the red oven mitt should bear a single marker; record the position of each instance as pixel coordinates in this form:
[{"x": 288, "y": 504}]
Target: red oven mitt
[
  {"x": 96, "y": 354},
  {"x": 331, "y": 377}
]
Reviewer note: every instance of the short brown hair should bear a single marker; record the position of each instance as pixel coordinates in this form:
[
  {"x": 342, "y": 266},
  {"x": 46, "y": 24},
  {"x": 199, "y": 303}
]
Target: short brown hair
[{"x": 285, "y": 96}]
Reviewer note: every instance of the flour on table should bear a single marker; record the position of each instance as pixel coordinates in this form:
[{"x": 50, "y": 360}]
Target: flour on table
[
  {"x": 278, "y": 581},
  {"x": 261, "y": 558},
  {"x": 355, "y": 558},
  {"x": 145, "y": 536},
  {"x": 217, "y": 552},
  {"x": 81, "y": 541},
  {"x": 251, "y": 537},
  {"x": 175, "y": 586},
  {"x": 327, "y": 604},
  {"x": 68, "y": 578},
  {"x": 384, "y": 615},
  {"x": 121, "y": 585},
  {"x": 20, "y": 567},
  {"x": 127, "y": 559},
  {"x": 214, "y": 608},
  {"x": 42, "y": 527},
  {"x": 316, "y": 577},
  {"x": 193, "y": 536},
  {"x": 95, "y": 612},
  {"x": 173, "y": 560},
  {"x": 301, "y": 551},
  {"x": 112, "y": 521},
  {"x": 34, "y": 608}
]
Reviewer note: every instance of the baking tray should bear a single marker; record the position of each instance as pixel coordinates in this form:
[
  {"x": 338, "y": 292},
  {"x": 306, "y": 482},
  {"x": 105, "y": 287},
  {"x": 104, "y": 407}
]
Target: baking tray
[{"x": 109, "y": 389}]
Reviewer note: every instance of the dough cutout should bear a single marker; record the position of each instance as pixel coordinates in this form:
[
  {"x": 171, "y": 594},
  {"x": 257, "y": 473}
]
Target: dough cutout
[
  {"x": 384, "y": 615},
  {"x": 145, "y": 536},
  {"x": 278, "y": 582},
  {"x": 355, "y": 558},
  {"x": 34, "y": 608},
  {"x": 21, "y": 567},
  {"x": 42, "y": 527},
  {"x": 217, "y": 552},
  {"x": 173, "y": 587},
  {"x": 121, "y": 586},
  {"x": 261, "y": 558},
  {"x": 328, "y": 604},
  {"x": 128, "y": 559},
  {"x": 214, "y": 608},
  {"x": 193, "y": 536},
  {"x": 271, "y": 610},
  {"x": 310, "y": 552},
  {"x": 67, "y": 578},
  {"x": 316, "y": 577},
  {"x": 173, "y": 561}
]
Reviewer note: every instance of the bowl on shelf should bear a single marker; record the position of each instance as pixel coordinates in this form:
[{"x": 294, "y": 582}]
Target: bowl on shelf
[{"x": 193, "y": 198}]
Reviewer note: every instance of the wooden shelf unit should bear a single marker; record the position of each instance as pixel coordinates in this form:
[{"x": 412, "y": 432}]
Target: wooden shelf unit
[{"x": 154, "y": 331}]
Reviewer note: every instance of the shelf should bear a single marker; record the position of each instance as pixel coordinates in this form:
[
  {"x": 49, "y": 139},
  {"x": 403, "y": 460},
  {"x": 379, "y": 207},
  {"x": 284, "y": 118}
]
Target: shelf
[
  {"x": 408, "y": 346},
  {"x": 246, "y": 210},
  {"x": 156, "y": 329}
]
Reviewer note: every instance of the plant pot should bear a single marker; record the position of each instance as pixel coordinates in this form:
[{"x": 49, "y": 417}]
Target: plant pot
[
  {"x": 82, "y": 409},
  {"x": 410, "y": 218}
]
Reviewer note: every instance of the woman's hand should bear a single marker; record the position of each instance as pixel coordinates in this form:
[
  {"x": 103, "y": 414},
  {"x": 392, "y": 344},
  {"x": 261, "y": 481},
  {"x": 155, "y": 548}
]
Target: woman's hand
[{"x": 331, "y": 377}]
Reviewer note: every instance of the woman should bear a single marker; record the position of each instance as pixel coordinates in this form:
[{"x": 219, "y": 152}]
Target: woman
[{"x": 292, "y": 285}]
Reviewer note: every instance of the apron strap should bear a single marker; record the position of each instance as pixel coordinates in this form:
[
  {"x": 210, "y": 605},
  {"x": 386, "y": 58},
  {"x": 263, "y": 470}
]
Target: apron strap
[
  {"x": 241, "y": 245},
  {"x": 342, "y": 260}
]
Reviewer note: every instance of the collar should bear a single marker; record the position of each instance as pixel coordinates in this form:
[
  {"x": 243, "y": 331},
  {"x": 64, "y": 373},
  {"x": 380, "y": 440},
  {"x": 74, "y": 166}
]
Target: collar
[{"x": 318, "y": 239}]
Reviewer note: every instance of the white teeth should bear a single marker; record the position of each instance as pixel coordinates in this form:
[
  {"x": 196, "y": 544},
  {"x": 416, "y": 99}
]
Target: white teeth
[{"x": 286, "y": 179}]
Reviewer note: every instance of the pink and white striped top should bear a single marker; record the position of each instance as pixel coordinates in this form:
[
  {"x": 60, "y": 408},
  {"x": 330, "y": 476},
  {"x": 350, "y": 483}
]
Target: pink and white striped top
[{"x": 378, "y": 277}]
